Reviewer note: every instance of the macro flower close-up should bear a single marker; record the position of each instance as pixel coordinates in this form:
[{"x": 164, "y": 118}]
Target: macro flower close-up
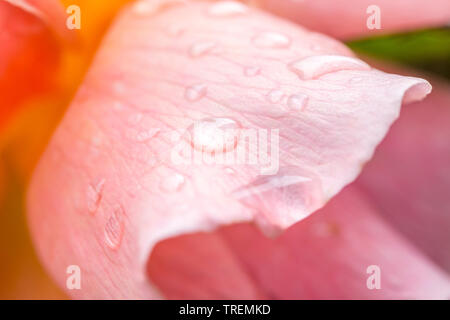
[{"x": 225, "y": 150}]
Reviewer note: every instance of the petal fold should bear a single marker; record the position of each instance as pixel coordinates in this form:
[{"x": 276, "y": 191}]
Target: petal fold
[{"x": 120, "y": 174}]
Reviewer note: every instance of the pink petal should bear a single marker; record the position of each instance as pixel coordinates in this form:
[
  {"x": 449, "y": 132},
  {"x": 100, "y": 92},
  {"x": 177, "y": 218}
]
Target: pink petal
[
  {"x": 326, "y": 256},
  {"x": 409, "y": 177},
  {"x": 348, "y": 18},
  {"x": 107, "y": 189}
]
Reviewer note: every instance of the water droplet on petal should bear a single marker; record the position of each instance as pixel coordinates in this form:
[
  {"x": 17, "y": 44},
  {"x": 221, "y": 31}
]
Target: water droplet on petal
[
  {"x": 114, "y": 229},
  {"x": 195, "y": 92},
  {"x": 275, "y": 96},
  {"x": 201, "y": 48},
  {"x": 297, "y": 101},
  {"x": 315, "y": 66},
  {"x": 227, "y": 9},
  {"x": 252, "y": 71},
  {"x": 172, "y": 183},
  {"x": 271, "y": 40},
  {"x": 146, "y": 135},
  {"x": 214, "y": 135},
  {"x": 284, "y": 198},
  {"x": 94, "y": 195}
]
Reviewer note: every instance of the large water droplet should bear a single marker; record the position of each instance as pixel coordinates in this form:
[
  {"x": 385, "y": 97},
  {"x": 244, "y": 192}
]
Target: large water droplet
[
  {"x": 195, "y": 92},
  {"x": 297, "y": 101},
  {"x": 227, "y": 9},
  {"x": 201, "y": 48},
  {"x": 214, "y": 135},
  {"x": 114, "y": 229},
  {"x": 271, "y": 40},
  {"x": 94, "y": 196},
  {"x": 172, "y": 183},
  {"x": 284, "y": 198},
  {"x": 252, "y": 71},
  {"x": 275, "y": 96},
  {"x": 315, "y": 66}
]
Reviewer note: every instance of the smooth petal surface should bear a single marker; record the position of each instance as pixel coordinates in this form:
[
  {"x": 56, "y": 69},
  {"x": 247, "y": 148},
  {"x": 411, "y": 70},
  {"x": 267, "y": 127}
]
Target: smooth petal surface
[
  {"x": 348, "y": 18},
  {"x": 109, "y": 186}
]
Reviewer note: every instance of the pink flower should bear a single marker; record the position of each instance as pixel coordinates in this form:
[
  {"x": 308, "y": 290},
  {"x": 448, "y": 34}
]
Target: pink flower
[{"x": 113, "y": 195}]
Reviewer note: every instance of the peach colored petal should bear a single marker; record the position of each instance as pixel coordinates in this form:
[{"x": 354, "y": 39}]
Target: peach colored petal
[
  {"x": 30, "y": 52},
  {"x": 108, "y": 188}
]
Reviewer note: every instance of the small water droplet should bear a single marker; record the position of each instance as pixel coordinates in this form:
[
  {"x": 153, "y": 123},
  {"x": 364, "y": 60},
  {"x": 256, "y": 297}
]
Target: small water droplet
[
  {"x": 94, "y": 196},
  {"x": 214, "y": 135},
  {"x": 271, "y": 40},
  {"x": 252, "y": 71},
  {"x": 227, "y": 9},
  {"x": 173, "y": 182},
  {"x": 275, "y": 96},
  {"x": 284, "y": 198},
  {"x": 195, "y": 92},
  {"x": 202, "y": 48},
  {"x": 146, "y": 135},
  {"x": 297, "y": 101},
  {"x": 315, "y": 66},
  {"x": 114, "y": 229}
]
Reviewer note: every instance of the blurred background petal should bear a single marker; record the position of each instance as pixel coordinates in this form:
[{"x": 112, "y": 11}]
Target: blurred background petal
[
  {"x": 347, "y": 19},
  {"x": 41, "y": 65}
]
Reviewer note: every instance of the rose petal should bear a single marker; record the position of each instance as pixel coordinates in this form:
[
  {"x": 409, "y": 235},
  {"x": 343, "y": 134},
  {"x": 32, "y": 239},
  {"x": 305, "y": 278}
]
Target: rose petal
[
  {"x": 108, "y": 188},
  {"x": 409, "y": 177},
  {"x": 348, "y": 18},
  {"x": 326, "y": 256}
]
